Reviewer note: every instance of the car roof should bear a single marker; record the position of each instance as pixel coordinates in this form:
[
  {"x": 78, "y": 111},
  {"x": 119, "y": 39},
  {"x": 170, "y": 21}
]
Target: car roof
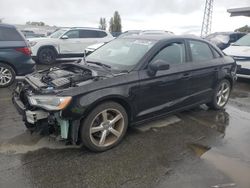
[
  {"x": 7, "y": 25},
  {"x": 88, "y": 28},
  {"x": 226, "y": 33},
  {"x": 162, "y": 37}
]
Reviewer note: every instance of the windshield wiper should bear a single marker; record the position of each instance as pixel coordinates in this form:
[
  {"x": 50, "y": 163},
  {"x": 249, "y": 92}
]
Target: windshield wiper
[
  {"x": 99, "y": 64},
  {"x": 104, "y": 66}
]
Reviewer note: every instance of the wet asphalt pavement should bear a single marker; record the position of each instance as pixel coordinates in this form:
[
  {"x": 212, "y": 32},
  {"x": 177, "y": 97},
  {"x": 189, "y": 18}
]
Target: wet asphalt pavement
[{"x": 199, "y": 148}]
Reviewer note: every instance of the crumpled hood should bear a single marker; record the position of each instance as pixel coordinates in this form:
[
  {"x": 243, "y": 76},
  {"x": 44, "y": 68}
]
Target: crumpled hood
[{"x": 243, "y": 51}]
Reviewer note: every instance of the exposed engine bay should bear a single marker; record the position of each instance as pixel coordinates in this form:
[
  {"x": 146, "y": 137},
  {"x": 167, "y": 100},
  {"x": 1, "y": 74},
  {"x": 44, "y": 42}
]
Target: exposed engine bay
[
  {"x": 64, "y": 76},
  {"x": 37, "y": 97}
]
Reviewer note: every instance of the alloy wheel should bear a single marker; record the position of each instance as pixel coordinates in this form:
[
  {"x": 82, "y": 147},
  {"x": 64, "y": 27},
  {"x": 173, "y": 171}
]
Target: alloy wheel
[
  {"x": 5, "y": 76},
  {"x": 223, "y": 94},
  {"x": 107, "y": 127}
]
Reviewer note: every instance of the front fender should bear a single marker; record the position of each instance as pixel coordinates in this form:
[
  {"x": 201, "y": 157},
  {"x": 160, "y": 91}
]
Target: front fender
[
  {"x": 44, "y": 43},
  {"x": 82, "y": 105}
]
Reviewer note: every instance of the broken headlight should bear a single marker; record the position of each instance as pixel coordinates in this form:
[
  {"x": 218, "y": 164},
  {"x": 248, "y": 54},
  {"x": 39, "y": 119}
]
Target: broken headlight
[{"x": 49, "y": 102}]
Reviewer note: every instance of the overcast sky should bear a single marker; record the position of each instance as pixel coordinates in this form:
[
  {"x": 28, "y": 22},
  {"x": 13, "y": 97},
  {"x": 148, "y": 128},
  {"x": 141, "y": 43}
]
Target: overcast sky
[{"x": 179, "y": 16}]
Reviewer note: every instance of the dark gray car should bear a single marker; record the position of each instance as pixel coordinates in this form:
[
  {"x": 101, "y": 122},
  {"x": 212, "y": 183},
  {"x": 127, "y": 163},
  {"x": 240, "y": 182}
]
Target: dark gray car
[{"x": 15, "y": 55}]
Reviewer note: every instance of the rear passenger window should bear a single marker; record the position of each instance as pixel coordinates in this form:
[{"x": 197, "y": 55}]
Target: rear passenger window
[
  {"x": 101, "y": 34},
  {"x": 173, "y": 54},
  {"x": 9, "y": 34},
  {"x": 92, "y": 34},
  {"x": 200, "y": 51}
]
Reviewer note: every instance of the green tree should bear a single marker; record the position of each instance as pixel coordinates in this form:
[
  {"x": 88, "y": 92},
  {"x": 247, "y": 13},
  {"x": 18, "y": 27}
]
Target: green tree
[
  {"x": 111, "y": 24},
  {"x": 245, "y": 28},
  {"x": 102, "y": 24},
  {"x": 115, "y": 23},
  {"x": 1, "y": 20}
]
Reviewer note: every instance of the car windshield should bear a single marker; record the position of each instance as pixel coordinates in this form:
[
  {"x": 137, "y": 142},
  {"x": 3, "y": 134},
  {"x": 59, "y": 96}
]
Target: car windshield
[
  {"x": 244, "y": 41},
  {"x": 121, "y": 54},
  {"x": 58, "y": 33}
]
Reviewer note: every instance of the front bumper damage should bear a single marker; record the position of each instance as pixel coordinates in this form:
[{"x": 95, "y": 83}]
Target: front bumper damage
[
  {"x": 52, "y": 122},
  {"x": 34, "y": 116}
]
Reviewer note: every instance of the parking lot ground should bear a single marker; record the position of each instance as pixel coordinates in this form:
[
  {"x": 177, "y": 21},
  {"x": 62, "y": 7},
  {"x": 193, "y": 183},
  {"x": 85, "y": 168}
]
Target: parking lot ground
[{"x": 199, "y": 148}]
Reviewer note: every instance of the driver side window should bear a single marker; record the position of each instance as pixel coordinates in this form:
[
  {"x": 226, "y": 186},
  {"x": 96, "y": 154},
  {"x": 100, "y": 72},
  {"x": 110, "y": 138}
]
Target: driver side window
[{"x": 174, "y": 53}]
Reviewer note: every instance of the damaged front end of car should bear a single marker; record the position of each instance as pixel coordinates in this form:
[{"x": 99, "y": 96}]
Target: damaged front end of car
[{"x": 38, "y": 98}]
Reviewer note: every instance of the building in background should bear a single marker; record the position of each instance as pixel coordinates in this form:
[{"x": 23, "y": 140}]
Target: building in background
[{"x": 244, "y": 11}]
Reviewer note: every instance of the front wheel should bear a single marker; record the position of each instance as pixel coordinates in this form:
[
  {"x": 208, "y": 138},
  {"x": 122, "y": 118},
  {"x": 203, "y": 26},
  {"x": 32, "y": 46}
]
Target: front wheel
[
  {"x": 221, "y": 95},
  {"x": 7, "y": 75},
  {"x": 104, "y": 127}
]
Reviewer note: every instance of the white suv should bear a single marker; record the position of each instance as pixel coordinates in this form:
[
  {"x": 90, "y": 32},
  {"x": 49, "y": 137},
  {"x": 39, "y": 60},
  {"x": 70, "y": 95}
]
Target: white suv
[{"x": 66, "y": 43}]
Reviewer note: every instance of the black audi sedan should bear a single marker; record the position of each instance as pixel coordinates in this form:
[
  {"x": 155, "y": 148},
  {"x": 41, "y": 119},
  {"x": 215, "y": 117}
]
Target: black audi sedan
[{"x": 127, "y": 81}]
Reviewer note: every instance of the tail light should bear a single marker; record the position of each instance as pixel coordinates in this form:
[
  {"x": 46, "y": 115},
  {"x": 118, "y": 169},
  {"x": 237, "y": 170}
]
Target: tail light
[{"x": 24, "y": 50}]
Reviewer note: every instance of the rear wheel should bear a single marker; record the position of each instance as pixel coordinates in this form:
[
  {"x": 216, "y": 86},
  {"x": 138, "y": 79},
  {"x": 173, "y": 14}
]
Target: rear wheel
[
  {"x": 104, "y": 127},
  {"x": 7, "y": 75},
  {"x": 221, "y": 95},
  {"x": 47, "y": 56}
]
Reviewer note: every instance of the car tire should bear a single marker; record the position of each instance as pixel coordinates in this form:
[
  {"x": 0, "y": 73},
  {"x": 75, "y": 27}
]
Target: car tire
[
  {"x": 221, "y": 95},
  {"x": 104, "y": 127},
  {"x": 7, "y": 75},
  {"x": 46, "y": 56}
]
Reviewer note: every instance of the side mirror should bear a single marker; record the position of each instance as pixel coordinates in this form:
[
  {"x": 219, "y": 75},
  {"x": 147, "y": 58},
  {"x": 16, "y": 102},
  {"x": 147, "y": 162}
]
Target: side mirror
[
  {"x": 157, "y": 65},
  {"x": 64, "y": 37}
]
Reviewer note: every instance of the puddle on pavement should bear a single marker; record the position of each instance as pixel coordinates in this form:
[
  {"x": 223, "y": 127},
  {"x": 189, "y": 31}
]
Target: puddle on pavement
[
  {"x": 239, "y": 94},
  {"x": 218, "y": 120},
  {"x": 237, "y": 170},
  {"x": 198, "y": 148},
  {"x": 232, "y": 156},
  {"x": 27, "y": 142}
]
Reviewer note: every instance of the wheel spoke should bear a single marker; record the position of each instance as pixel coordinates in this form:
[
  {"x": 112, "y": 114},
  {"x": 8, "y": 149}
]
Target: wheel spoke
[
  {"x": 223, "y": 86},
  {"x": 224, "y": 98},
  {"x": 116, "y": 118},
  {"x": 97, "y": 129},
  {"x": 219, "y": 100},
  {"x": 115, "y": 132},
  {"x": 4, "y": 71},
  {"x": 105, "y": 116},
  {"x": 7, "y": 76},
  {"x": 103, "y": 138},
  {"x": 225, "y": 90}
]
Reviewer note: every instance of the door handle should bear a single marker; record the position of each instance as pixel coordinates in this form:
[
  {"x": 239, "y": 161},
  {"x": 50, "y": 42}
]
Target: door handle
[{"x": 186, "y": 75}]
